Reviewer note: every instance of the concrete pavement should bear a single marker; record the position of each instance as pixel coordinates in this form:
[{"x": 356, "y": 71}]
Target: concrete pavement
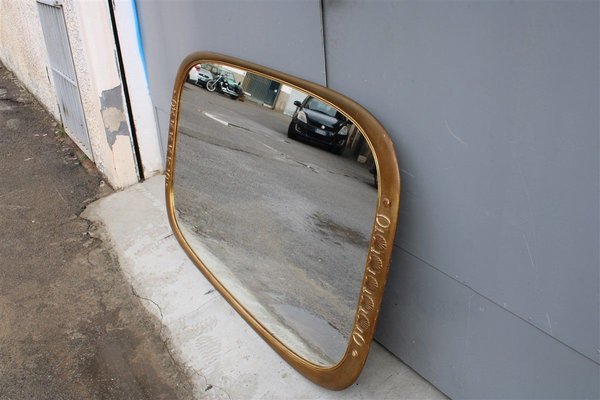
[{"x": 225, "y": 357}]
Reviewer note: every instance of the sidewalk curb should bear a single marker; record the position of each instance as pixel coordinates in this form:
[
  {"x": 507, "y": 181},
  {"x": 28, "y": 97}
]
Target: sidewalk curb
[{"x": 203, "y": 331}]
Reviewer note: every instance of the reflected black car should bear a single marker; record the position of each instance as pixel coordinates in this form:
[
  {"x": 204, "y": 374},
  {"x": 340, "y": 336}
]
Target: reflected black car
[{"x": 318, "y": 123}]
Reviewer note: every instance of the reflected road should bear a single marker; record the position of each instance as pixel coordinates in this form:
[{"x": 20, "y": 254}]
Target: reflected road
[{"x": 289, "y": 220}]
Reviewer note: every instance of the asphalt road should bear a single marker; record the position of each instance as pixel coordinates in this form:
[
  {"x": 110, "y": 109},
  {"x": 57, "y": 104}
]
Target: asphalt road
[
  {"x": 288, "y": 220},
  {"x": 70, "y": 325}
]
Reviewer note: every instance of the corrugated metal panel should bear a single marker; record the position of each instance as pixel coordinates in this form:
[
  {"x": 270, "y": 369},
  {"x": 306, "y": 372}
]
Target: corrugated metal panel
[{"x": 62, "y": 69}]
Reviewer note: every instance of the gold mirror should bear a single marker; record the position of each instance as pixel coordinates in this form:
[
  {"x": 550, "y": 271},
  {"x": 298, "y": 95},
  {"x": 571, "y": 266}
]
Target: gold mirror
[{"x": 285, "y": 194}]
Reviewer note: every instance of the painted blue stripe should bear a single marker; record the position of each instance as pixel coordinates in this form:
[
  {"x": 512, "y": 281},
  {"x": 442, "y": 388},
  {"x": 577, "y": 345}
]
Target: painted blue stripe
[{"x": 138, "y": 33}]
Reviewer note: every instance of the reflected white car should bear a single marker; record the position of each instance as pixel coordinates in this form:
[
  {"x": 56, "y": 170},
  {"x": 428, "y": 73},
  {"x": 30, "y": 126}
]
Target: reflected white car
[{"x": 199, "y": 76}]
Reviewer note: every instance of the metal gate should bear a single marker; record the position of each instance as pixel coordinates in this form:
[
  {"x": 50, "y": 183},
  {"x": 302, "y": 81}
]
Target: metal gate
[
  {"x": 60, "y": 62},
  {"x": 262, "y": 90}
]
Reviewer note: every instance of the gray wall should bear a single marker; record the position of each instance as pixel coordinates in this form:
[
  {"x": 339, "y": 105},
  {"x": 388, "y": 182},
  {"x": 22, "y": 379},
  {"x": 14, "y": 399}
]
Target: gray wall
[
  {"x": 250, "y": 30},
  {"x": 493, "y": 107}
]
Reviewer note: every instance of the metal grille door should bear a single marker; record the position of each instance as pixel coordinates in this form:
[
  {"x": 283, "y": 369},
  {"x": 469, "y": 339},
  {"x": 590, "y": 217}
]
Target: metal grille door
[
  {"x": 62, "y": 69},
  {"x": 262, "y": 90}
]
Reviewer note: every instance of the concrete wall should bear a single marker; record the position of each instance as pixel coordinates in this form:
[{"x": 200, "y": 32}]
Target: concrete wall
[
  {"x": 94, "y": 55},
  {"x": 142, "y": 108},
  {"x": 293, "y": 95},
  {"x": 23, "y": 50}
]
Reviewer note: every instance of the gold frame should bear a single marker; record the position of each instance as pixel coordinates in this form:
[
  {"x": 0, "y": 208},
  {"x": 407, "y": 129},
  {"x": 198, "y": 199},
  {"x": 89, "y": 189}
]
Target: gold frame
[{"x": 344, "y": 373}]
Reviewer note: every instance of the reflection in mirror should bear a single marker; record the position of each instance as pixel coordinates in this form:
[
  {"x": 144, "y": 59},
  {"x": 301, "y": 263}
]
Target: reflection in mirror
[{"x": 276, "y": 192}]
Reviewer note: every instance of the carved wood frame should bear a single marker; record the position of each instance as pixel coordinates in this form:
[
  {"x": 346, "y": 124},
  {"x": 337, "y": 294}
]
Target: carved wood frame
[{"x": 345, "y": 372}]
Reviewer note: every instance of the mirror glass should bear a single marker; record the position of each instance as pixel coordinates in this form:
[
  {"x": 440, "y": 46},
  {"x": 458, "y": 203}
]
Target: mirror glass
[{"x": 276, "y": 192}]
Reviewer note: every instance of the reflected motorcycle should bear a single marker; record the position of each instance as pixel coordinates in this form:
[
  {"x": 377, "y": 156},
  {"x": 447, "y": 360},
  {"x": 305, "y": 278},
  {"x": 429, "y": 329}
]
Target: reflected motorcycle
[{"x": 220, "y": 84}]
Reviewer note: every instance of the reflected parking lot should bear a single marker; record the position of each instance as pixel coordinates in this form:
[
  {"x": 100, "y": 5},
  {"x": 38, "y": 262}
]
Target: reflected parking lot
[{"x": 285, "y": 223}]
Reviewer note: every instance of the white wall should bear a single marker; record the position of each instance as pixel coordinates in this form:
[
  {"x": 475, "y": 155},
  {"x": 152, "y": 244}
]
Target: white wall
[
  {"x": 139, "y": 92},
  {"x": 294, "y": 95},
  {"x": 94, "y": 56},
  {"x": 23, "y": 50}
]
